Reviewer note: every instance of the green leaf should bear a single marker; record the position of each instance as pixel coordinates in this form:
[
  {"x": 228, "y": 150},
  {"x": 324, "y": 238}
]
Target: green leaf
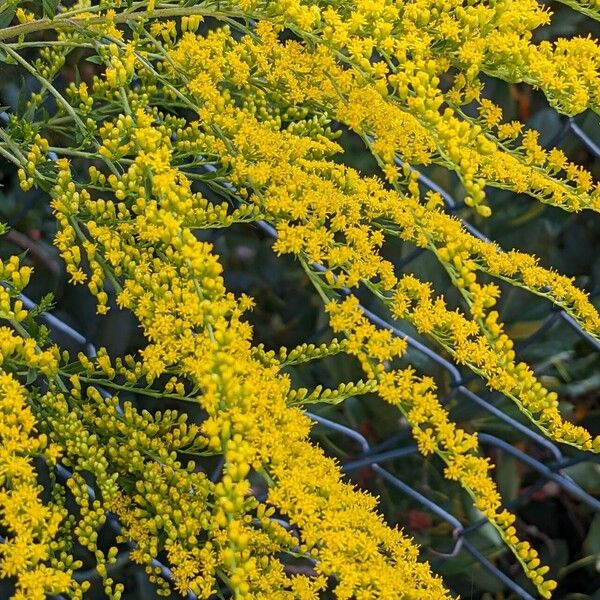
[
  {"x": 587, "y": 475},
  {"x": 50, "y": 7},
  {"x": 95, "y": 59},
  {"x": 24, "y": 95},
  {"x": 31, "y": 375},
  {"x": 591, "y": 544},
  {"x": 6, "y": 58},
  {"x": 6, "y": 17},
  {"x": 507, "y": 476}
]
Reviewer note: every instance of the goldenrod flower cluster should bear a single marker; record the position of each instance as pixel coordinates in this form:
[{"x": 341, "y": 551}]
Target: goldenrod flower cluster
[
  {"x": 432, "y": 429},
  {"x": 34, "y": 553},
  {"x": 243, "y": 99}
]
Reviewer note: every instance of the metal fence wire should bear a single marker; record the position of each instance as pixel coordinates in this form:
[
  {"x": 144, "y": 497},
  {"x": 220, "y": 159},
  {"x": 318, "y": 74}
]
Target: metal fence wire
[{"x": 373, "y": 457}]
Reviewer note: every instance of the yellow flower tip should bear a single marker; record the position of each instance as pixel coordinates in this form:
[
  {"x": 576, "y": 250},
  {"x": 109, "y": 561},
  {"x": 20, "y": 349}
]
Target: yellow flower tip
[
  {"x": 24, "y": 16},
  {"x": 483, "y": 210}
]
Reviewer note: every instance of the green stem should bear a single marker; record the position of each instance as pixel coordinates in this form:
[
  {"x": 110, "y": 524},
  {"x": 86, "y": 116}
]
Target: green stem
[
  {"x": 62, "y": 23},
  {"x": 20, "y": 329},
  {"x": 317, "y": 283},
  {"x": 134, "y": 390},
  {"x": 10, "y": 157},
  {"x": 57, "y": 95}
]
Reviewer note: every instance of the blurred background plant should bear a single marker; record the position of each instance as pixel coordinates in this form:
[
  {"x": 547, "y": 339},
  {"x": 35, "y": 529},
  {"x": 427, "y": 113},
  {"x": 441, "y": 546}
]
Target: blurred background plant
[{"x": 288, "y": 312}]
